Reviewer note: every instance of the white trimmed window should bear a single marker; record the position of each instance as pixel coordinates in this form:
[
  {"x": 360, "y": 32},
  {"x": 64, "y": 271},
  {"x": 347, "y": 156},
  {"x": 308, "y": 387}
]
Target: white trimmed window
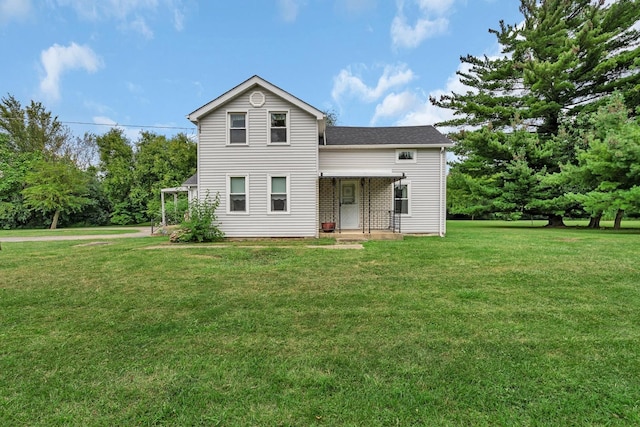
[
  {"x": 237, "y": 191},
  {"x": 402, "y": 197},
  {"x": 406, "y": 156},
  {"x": 279, "y": 127},
  {"x": 237, "y": 128},
  {"x": 278, "y": 194}
]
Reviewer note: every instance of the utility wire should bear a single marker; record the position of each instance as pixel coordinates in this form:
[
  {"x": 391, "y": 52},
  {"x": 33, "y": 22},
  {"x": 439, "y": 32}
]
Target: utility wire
[
  {"x": 127, "y": 126},
  {"x": 111, "y": 124}
]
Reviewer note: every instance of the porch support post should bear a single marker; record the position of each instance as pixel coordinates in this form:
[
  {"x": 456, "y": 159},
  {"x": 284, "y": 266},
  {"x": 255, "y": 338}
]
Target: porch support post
[
  {"x": 393, "y": 206},
  {"x": 164, "y": 219},
  {"x": 362, "y": 199},
  {"x": 369, "y": 205},
  {"x": 339, "y": 205},
  {"x": 333, "y": 200},
  {"x": 400, "y": 213},
  {"x": 175, "y": 204}
]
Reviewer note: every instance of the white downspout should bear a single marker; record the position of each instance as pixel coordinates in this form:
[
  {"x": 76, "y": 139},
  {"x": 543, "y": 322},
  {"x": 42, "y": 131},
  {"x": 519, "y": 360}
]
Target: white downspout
[
  {"x": 443, "y": 208},
  {"x": 198, "y": 157}
]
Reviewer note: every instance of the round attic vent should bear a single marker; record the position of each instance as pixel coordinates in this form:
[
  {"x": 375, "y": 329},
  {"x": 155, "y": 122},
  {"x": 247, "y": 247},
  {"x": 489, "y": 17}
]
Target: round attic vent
[{"x": 257, "y": 99}]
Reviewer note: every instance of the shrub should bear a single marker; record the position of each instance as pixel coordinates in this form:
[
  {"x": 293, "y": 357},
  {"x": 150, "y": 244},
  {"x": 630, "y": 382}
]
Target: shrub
[{"x": 201, "y": 224}]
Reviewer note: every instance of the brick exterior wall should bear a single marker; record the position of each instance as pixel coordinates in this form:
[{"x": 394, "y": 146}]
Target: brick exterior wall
[{"x": 375, "y": 201}]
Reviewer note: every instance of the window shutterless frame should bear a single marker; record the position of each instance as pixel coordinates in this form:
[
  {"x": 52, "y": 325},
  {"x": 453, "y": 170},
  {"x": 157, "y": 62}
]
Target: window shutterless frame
[
  {"x": 278, "y": 197},
  {"x": 404, "y": 155},
  {"x": 278, "y": 123},
  {"x": 237, "y": 194},
  {"x": 237, "y": 126},
  {"x": 402, "y": 197}
]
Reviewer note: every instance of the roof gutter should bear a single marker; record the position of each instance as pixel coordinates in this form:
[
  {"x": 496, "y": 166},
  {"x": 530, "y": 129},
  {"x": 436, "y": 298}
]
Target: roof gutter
[{"x": 381, "y": 146}]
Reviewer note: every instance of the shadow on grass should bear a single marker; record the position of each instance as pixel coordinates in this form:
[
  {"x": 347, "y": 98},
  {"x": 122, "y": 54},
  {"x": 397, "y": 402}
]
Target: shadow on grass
[{"x": 633, "y": 226}]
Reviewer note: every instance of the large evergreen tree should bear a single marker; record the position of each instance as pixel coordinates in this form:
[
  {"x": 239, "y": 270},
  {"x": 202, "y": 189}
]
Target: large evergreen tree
[
  {"x": 609, "y": 167},
  {"x": 564, "y": 58}
]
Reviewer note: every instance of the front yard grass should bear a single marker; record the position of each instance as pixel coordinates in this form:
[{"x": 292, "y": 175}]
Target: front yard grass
[{"x": 496, "y": 324}]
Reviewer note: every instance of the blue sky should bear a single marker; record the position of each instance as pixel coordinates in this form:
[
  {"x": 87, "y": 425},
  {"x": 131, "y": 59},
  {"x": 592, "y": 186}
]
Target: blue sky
[{"x": 151, "y": 62}]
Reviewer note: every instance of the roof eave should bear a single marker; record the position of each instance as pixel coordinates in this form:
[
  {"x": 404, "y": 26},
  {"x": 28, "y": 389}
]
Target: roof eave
[
  {"x": 247, "y": 84},
  {"x": 382, "y": 146}
]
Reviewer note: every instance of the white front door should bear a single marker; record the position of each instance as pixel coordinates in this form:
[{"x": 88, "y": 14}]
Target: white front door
[{"x": 349, "y": 207}]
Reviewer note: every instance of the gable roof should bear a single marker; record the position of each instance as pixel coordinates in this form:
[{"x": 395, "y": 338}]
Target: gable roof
[
  {"x": 246, "y": 85},
  {"x": 393, "y": 135}
]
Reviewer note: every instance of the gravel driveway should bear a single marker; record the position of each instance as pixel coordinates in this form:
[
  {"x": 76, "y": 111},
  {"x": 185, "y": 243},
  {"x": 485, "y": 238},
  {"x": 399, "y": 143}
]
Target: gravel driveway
[{"x": 139, "y": 232}]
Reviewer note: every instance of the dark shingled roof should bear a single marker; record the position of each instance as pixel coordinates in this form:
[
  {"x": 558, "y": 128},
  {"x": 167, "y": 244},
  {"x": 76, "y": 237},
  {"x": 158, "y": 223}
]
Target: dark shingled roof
[
  {"x": 398, "y": 135},
  {"x": 192, "y": 180}
]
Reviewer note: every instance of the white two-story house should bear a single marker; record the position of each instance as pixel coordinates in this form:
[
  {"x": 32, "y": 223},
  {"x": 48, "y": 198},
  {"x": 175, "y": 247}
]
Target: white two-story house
[{"x": 280, "y": 171}]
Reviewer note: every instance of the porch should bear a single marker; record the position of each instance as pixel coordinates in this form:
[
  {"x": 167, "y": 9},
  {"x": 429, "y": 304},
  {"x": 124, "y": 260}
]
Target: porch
[{"x": 359, "y": 203}]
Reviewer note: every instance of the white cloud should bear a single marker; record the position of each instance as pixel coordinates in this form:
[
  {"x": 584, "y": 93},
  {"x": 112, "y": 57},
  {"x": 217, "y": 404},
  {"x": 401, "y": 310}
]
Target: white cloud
[
  {"x": 131, "y": 14},
  {"x": 431, "y": 21},
  {"x": 59, "y": 59},
  {"x": 407, "y": 36},
  {"x": 289, "y": 9},
  {"x": 427, "y": 113},
  {"x": 14, "y": 9},
  {"x": 100, "y": 9},
  {"x": 346, "y": 83},
  {"x": 178, "y": 20},
  {"x": 104, "y": 120},
  {"x": 435, "y": 6},
  {"x": 394, "y": 105},
  {"x": 139, "y": 25},
  {"x": 134, "y": 88}
]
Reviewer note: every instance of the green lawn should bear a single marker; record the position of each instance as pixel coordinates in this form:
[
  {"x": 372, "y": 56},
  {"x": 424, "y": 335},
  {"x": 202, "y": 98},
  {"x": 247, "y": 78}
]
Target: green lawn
[{"x": 496, "y": 324}]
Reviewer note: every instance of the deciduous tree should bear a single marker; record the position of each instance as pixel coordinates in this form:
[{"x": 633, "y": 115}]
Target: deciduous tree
[
  {"x": 161, "y": 162},
  {"x": 32, "y": 128},
  {"x": 53, "y": 187}
]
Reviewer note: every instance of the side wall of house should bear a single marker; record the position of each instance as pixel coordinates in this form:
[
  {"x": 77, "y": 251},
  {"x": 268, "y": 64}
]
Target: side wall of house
[
  {"x": 258, "y": 161},
  {"x": 426, "y": 180}
]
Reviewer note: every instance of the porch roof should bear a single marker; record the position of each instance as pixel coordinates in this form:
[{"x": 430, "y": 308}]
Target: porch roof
[
  {"x": 356, "y": 173},
  {"x": 174, "y": 190}
]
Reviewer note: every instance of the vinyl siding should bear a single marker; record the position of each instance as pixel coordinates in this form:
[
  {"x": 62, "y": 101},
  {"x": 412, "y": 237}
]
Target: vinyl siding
[
  {"x": 426, "y": 176},
  {"x": 258, "y": 161}
]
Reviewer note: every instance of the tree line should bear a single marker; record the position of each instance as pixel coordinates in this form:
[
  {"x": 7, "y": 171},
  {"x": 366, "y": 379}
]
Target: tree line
[
  {"x": 547, "y": 129},
  {"x": 550, "y": 127},
  {"x": 49, "y": 177}
]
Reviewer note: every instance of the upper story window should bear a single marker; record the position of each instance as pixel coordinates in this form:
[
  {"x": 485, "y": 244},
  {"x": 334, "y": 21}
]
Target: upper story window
[
  {"x": 406, "y": 156},
  {"x": 237, "y": 128},
  {"x": 278, "y": 127}
]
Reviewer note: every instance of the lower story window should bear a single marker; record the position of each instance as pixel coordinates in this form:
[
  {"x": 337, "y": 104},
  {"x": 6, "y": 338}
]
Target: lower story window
[
  {"x": 401, "y": 198},
  {"x": 237, "y": 194},
  {"x": 279, "y": 190}
]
